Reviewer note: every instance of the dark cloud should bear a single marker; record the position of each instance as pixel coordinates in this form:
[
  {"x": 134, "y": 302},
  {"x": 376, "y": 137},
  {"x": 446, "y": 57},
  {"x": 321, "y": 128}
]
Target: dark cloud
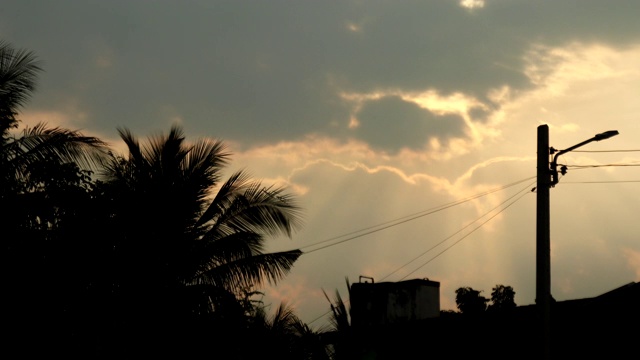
[
  {"x": 479, "y": 114},
  {"x": 391, "y": 124},
  {"x": 257, "y": 71}
]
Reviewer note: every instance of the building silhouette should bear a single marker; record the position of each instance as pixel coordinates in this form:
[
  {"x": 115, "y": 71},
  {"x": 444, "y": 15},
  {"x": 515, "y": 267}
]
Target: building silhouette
[{"x": 403, "y": 321}]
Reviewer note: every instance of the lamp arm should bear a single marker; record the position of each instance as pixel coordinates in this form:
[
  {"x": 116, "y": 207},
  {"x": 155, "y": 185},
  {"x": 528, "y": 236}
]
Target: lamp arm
[{"x": 554, "y": 163}]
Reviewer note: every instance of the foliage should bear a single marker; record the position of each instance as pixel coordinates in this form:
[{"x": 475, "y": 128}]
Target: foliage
[
  {"x": 284, "y": 336},
  {"x": 45, "y": 180},
  {"x": 469, "y": 301},
  {"x": 157, "y": 257},
  {"x": 341, "y": 334},
  {"x": 339, "y": 313},
  {"x": 19, "y": 155},
  {"x": 18, "y": 73},
  {"x": 187, "y": 245},
  {"x": 502, "y": 298}
]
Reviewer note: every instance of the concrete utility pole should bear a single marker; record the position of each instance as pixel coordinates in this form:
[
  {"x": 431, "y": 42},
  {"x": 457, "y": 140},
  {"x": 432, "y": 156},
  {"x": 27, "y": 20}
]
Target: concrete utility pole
[
  {"x": 543, "y": 241},
  {"x": 547, "y": 177}
]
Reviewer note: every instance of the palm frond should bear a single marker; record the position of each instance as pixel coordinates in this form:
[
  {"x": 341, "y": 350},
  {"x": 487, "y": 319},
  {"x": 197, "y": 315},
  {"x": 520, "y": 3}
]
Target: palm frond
[
  {"x": 203, "y": 164},
  {"x": 42, "y": 144},
  {"x": 270, "y": 210},
  {"x": 165, "y": 154},
  {"x": 231, "y": 247},
  {"x": 245, "y": 205},
  {"x": 223, "y": 199},
  {"x": 135, "y": 150},
  {"x": 18, "y": 72},
  {"x": 284, "y": 320},
  {"x": 339, "y": 314},
  {"x": 251, "y": 271}
]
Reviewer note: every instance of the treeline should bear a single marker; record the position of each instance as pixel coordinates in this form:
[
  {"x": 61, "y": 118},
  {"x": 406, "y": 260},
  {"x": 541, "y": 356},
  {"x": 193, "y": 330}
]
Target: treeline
[
  {"x": 149, "y": 253},
  {"x": 469, "y": 301}
]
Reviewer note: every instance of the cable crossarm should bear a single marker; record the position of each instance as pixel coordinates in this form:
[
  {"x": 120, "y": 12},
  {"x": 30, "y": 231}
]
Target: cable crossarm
[
  {"x": 404, "y": 219},
  {"x": 521, "y": 194},
  {"x": 577, "y": 167},
  {"x": 602, "y": 182},
  {"x": 606, "y": 151}
]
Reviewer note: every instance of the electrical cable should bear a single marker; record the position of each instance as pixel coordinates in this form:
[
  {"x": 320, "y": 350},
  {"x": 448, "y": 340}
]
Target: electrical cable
[
  {"x": 472, "y": 231},
  {"x": 405, "y": 219},
  {"x": 436, "y": 209},
  {"x": 521, "y": 195},
  {"x": 430, "y": 211},
  {"x": 457, "y": 232}
]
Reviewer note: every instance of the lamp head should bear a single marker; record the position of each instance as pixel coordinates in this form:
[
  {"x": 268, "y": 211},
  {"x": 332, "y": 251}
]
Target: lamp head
[{"x": 606, "y": 135}]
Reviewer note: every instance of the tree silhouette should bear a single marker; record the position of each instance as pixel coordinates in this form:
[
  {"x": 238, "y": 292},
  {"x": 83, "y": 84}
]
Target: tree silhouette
[
  {"x": 44, "y": 176},
  {"x": 187, "y": 246},
  {"x": 19, "y": 70},
  {"x": 469, "y": 301},
  {"x": 38, "y": 144},
  {"x": 33, "y": 160},
  {"x": 284, "y": 336},
  {"x": 151, "y": 259},
  {"x": 342, "y": 339},
  {"x": 502, "y": 298}
]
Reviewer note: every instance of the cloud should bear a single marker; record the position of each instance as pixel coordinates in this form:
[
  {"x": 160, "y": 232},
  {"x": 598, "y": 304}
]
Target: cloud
[
  {"x": 392, "y": 124},
  {"x": 393, "y": 120}
]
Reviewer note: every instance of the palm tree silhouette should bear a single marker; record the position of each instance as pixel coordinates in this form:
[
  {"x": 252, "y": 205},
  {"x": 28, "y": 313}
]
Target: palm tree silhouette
[
  {"x": 38, "y": 144},
  {"x": 187, "y": 245},
  {"x": 34, "y": 164},
  {"x": 18, "y": 73},
  {"x": 284, "y": 336}
]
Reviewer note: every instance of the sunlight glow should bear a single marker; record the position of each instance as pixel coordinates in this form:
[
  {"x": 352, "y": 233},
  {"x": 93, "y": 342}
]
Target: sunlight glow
[
  {"x": 472, "y": 4},
  {"x": 354, "y": 27}
]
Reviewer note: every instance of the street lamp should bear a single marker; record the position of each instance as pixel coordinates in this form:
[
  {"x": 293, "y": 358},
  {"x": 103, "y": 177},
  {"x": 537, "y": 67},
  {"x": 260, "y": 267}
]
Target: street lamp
[
  {"x": 547, "y": 177},
  {"x": 554, "y": 163}
]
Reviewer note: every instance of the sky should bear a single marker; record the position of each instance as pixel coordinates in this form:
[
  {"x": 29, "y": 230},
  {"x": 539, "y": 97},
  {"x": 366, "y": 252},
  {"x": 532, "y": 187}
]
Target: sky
[{"x": 407, "y": 130}]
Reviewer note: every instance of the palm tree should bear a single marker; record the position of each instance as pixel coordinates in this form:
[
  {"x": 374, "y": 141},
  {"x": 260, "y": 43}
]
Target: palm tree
[
  {"x": 38, "y": 168},
  {"x": 340, "y": 326},
  {"x": 283, "y": 335},
  {"x": 186, "y": 245},
  {"x": 39, "y": 144},
  {"x": 18, "y": 72}
]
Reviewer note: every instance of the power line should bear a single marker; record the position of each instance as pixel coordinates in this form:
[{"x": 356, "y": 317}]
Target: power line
[
  {"x": 414, "y": 216},
  {"x": 405, "y": 219},
  {"x": 522, "y": 193},
  {"x": 460, "y": 230},
  {"x": 429, "y": 212},
  {"x": 472, "y": 231}
]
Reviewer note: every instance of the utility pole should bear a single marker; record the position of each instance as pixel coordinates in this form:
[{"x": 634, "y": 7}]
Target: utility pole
[
  {"x": 543, "y": 242},
  {"x": 547, "y": 177}
]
